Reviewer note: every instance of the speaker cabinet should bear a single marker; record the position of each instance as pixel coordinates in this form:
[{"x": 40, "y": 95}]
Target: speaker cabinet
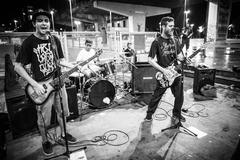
[
  {"x": 22, "y": 116},
  {"x": 203, "y": 77},
  {"x": 72, "y": 102},
  {"x": 143, "y": 78}
]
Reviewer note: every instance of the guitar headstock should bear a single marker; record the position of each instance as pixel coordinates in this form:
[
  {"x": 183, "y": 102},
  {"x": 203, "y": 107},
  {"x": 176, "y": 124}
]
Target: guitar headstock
[
  {"x": 206, "y": 44},
  {"x": 99, "y": 52}
]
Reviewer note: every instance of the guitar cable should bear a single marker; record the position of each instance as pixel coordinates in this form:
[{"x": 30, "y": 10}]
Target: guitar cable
[
  {"x": 52, "y": 137},
  {"x": 185, "y": 111}
]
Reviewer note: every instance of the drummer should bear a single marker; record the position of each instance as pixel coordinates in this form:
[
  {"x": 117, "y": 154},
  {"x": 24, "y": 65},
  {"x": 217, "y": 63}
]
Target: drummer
[
  {"x": 91, "y": 69},
  {"x": 130, "y": 54}
]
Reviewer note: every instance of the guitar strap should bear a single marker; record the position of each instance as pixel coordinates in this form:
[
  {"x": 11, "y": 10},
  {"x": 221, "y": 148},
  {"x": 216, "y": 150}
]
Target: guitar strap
[{"x": 176, "y": 49}]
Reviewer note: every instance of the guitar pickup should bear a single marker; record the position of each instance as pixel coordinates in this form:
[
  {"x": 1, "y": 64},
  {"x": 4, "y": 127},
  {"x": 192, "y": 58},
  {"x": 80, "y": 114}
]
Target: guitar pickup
[{"x": 146, "y": 78}]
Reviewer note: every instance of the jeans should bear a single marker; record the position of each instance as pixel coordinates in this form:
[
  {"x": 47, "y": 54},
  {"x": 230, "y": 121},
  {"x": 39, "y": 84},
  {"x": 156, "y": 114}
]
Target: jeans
[{"x": 177, "y": 91}]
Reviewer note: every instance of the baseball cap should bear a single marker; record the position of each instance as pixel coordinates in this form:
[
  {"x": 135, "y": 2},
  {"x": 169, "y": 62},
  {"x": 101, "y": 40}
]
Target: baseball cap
[{"x": 40, "y": 12}]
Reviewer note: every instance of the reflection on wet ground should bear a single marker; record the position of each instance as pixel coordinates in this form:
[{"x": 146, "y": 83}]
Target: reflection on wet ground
[{"x": 218, "y": 57}]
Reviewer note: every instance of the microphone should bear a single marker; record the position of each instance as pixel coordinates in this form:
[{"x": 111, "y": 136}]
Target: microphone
[
  {"x": 176, "y": 28},
  {"x": 48, "y": 33}
]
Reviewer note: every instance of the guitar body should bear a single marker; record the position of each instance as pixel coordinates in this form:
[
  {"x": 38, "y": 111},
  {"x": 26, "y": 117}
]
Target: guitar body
[
  {"x": 40, "y": 99},
  {"x": 50, "y": 83},
  {"x": 167, "y": 80}
]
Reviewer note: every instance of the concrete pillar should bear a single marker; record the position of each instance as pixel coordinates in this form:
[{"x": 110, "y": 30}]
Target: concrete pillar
[
  {"x": 137, "y": 23},
  {"x": 218, "y": 18},
  {"x": 212, "y": 21},
  {"x": 96, "y": 26}
]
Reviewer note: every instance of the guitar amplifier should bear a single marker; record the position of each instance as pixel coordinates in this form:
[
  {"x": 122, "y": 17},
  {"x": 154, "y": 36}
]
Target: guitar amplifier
[
  {"x": 143, "y": 78},
  {"x": 72, "y": 106},
  {"x": 203, "y": 77},
  {"x": 22, "y": 116}
]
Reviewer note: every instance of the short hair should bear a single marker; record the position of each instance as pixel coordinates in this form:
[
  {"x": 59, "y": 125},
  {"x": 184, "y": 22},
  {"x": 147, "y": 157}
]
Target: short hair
[
  {"x": 164, "y": 21},
  {"x": 88, "y": 41},
  {"x": 129, "y": 43}
]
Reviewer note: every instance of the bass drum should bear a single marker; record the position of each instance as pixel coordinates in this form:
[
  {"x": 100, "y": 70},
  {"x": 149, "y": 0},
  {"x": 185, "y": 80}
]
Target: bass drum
[{"x": 99, "y": 92}]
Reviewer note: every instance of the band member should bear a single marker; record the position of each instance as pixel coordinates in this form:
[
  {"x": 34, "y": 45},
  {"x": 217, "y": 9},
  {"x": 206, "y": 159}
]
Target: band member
[
  {"x": 187, "y": 33},
  {"x": 37, "y": 50},
  {"x": 92, "y": 68},
  {"x": 164, "y": 51},
  {"x": 129, "y": 51}
]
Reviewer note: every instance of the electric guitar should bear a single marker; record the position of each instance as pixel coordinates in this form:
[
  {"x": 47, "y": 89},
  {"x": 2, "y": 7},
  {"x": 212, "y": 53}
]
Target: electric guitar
[
  {"x": 50, "y": 83},
  {"x": 167, "y": 80}
]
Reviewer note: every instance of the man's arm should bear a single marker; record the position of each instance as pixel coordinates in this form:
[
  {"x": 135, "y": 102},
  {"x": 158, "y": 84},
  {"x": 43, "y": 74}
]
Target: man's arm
[
  {"x": 153, "y": 62},
  {"x": 18, "y": 67}
]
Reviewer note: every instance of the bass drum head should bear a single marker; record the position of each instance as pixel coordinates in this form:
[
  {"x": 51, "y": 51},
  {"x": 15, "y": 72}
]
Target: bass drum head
[{"x": 101, "y": 94}]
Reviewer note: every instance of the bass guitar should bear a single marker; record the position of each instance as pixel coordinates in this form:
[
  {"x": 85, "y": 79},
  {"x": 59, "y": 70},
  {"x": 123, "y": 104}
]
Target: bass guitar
[
  {"x": 49, "y": 85},
  {"x": 167, "y": 80}
]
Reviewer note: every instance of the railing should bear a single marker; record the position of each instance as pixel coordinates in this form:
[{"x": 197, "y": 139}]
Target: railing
[{"x": 73, "y": 42}]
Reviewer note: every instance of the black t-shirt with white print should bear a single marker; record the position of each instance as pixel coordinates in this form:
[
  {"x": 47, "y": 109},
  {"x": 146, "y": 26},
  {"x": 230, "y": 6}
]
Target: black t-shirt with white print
[
  {"x": 164, "y": 50},
  {"x": 40, "y": 55}
]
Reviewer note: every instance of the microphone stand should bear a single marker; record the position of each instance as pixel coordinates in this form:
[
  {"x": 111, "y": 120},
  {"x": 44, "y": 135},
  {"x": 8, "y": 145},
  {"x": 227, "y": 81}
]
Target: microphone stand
[
  {"x": 179, "y": 124},
  {"x": 58, "y": 90},
  {"x": 128, "y": 61}
]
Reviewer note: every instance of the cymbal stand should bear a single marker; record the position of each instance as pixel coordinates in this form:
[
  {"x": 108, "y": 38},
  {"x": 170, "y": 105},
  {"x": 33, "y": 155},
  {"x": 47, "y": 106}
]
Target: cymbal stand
[{"x": 129, "y": 62}]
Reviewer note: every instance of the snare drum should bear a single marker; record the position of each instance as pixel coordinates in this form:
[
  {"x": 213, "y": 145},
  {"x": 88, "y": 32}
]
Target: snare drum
[{"x": 99, "y": 92}]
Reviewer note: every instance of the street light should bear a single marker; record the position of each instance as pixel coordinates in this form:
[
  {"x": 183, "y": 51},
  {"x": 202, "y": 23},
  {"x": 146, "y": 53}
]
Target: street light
[
  {"x": 70, "y": 5},
  {"x": 52, "y": 12},
  {"x": 15, "y": 23}
]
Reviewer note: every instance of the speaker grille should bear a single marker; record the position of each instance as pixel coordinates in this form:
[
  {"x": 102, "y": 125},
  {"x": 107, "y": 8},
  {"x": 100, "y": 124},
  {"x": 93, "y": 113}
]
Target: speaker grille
[
  {"x": 143, "y": 78},
  {"x": 203, "y": 77}
]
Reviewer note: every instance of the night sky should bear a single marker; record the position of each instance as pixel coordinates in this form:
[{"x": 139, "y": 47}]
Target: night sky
[{"x": 12, "y": 8}]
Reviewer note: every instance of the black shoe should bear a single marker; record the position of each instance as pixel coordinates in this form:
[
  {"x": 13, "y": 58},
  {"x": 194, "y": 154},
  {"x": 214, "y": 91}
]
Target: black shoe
[
  {"x": 70, "y": 138},
  {"x": 47, "y": 148}
]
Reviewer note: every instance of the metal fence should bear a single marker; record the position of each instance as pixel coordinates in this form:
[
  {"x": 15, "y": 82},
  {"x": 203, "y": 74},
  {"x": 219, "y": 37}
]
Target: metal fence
[{"x": 73, "y": 42}]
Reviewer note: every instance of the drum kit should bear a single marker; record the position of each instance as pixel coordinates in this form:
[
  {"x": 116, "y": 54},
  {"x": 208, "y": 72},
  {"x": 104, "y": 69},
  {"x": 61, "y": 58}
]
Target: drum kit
[{"x": 99, "y": 89}]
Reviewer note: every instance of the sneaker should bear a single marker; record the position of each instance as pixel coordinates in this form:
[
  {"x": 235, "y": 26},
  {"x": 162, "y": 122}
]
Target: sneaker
[
  {"x": 70, "y": 138},
  {"x": 47, "y": 148}
]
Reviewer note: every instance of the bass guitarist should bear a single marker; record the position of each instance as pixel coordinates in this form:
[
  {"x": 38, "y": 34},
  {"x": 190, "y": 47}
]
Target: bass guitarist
[
  {"x": 165, "y": 50},
  {"x": 37, "y": 50},
  {"x": 187, "y": 33}
]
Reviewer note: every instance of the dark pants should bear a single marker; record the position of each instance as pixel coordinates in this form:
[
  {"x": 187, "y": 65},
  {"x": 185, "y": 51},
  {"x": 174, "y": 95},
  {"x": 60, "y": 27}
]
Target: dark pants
[
  {"x": 177, "y": 91},
  {"x": 186, "y": 41},
  {"x": 4, "y": 125}
]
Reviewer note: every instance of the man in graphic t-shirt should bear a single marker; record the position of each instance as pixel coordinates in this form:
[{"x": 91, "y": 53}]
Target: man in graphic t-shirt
[
  {"x": 43, "y": 52},
  {"x": 165, "y": 51}
]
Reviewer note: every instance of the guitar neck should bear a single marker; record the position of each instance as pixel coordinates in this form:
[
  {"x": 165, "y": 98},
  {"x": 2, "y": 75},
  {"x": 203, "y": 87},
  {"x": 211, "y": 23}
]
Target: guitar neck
[{"x": 74, "y": 69}]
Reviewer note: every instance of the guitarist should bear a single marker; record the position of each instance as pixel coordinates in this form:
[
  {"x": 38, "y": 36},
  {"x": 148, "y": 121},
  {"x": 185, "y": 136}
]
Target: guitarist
[
  {"x": 37, "y": 50},
  {"x": 165, "y": 50},
  {"x": 187, "y": 33}
]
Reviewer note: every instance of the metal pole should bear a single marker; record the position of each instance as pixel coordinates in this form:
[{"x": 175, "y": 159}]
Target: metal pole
[
  {"x": 70, "y": 5},
  {"x": 184, "y": 14},
  {"x": 52, "y": 12}
]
